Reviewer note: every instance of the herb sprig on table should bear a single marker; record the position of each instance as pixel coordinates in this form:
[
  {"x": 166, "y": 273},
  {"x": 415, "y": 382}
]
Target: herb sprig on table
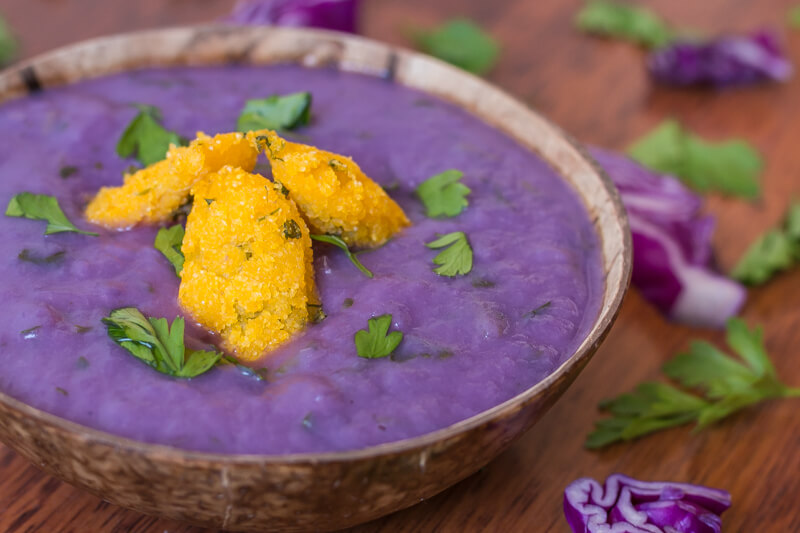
[
  {"x": 726, "y": 385},
  {"x": 8, "y": 44},
  {"x": 145, "y": 138},
  {"x": 730, "y": 167},
  {"x": 157, "y": 344},
  {"x": 462, "y": 43},
  {"x": 42, "y": 207},
  {"x": 776, "y": 250},
  {"x": 614, "y": 19}
]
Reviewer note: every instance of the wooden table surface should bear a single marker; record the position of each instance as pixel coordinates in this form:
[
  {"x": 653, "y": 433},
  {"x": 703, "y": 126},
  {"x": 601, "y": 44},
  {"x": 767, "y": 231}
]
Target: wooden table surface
[{"x": 598, "y": 91}]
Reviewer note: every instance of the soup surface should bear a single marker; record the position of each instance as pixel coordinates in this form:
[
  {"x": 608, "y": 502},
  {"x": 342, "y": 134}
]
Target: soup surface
[{"x": 471, "y": 342}]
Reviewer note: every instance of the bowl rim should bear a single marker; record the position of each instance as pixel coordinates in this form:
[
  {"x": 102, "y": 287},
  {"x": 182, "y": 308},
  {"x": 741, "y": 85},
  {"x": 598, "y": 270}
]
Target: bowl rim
[{"x": 599, "y": 327}]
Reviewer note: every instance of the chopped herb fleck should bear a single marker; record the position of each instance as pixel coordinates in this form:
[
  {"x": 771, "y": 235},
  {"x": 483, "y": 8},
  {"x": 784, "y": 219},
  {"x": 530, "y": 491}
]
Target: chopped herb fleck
[
  {"x": 62, "y": 391},
  {"x": 483, "y": 283},
  {"x": 67, "y": 171},
  {"x": 375, "y": 342},
  {"x": 337, "y": 165},
  {"x": 209, "y": 201},
  {"x": 83, "y": 329},
  {"x": 30, "y": 333},
  {"x": 348, "y": 302},
  {"x": 28, "y": 256},
  {"x": 339, "y": 243},
  {"x": 82, "y": 362},
  {"x": 308, "y": 421},
  {"x": 291, "y": 230},
  {"x": 537, "y": 311},
  {"x": 42, "y": 207},
  {"x": 284, "y": 190}
]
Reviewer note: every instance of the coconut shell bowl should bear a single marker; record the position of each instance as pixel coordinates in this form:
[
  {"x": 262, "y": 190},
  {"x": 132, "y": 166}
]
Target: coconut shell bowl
[{"x": 321, "y": 491}]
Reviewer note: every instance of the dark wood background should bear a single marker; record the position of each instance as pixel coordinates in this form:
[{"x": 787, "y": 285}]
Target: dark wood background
[{"x": 598, "y": 91}]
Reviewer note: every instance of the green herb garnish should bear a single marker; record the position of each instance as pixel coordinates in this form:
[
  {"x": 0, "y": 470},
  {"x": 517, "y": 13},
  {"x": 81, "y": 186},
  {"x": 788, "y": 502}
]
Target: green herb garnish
[
  {"x": 30, "y": 257},
  {"x": 82, "y": 363},
  {"x": 348, "y": 302},
  {"x": 730, "y": 167},
  {"x": 537, "y": 311},
  {"x": 158, "y": 345},
  {"x": 42, "y": 207},
  {"x": 62, "y": 391},
  {"x": 145, "y": 138},
  {"x": 612, "y": 19},
  {"x": 376, "y": 343},
  {"x": 728, "y": 384},
  {"x": 776, "y": 250},
  {"x": 276, "y": 113},
  {"x": 462, "y": 43},
  {"x": 455, "y": 260},
  {"x": 30, "y": 333},
  {"x": 8, "y": 44},
  {"x": 168, "y": 242},
  {"x": 444, "y": 194},
  {"x": 80, "y": 330},
  {"x": 339, "y": 243},
  {"x": 793, "y": 17}
]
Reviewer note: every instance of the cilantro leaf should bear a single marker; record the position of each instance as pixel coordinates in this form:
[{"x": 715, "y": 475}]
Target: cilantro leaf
[
  {"x": 42, "y": 207},
  {"x": 455, "y": 260},
  {"x": 793, "y": 17},
  {"x": 776, "y": 250},
  {"x": 728, "y": 384},
  {"x": 339, "y": 243},
  {"x": 145, "y": 138},
  {"x": 168, "y": 242},
  {"x": 444, "y": 194},
  {"x": 730, "y": 167},
  {"x": 155, "y": 343},
  {"x": 462, "y": 43},
  {"x": 375, "y": 342},
  {"x": 635, "y": 24},
  {"x": 276, "y": 113},
  {"x": 8, "y": 44}
]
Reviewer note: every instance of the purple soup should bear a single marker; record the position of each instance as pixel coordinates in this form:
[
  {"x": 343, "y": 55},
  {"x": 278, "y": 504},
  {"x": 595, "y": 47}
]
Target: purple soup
[{"x": 471, "y": 342}]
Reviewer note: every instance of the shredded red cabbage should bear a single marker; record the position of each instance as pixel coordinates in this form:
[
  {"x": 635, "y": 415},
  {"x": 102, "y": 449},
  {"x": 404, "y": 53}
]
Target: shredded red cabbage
[
  {"x": 725, "y": 61},
  {"x": 627, "y": 505},
  {"x": 338, "y": 15},
  {"x": 672, "y": 245}
]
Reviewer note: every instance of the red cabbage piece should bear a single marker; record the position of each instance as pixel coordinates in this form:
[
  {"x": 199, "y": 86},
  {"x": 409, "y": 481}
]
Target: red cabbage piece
[
  {"x": 672, "y": 253},
  {"x": 338, "y": 15},
  {"x": 627, "y": 505},
  {"x": 725, "y": 61}
]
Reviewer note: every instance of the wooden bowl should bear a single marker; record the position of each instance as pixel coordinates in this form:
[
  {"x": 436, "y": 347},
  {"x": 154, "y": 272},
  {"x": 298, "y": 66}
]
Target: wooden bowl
[{"x": 321, "y": 491}]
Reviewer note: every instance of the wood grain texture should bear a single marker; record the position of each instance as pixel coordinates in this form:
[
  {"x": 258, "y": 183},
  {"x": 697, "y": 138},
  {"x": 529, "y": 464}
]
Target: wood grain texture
[{"x": 598, "y": 92}]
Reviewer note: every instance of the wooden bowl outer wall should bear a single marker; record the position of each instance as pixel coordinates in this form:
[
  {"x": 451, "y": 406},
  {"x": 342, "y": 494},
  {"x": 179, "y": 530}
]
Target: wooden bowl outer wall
[{"x": 324, "y": 491}]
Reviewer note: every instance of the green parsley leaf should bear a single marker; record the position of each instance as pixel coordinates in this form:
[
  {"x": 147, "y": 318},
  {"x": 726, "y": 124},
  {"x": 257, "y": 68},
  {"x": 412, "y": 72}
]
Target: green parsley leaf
[
  {"x": 339, "y": 243},
  {"x": 375, "y": 342},
  {"x": 444, "y": 194},
  {"x": 730, "y": 167},
  {"x": 145, "y": 138},
  {"x": 773, "y": 252},
  {"x": 276, "y": 113},
  {"x": 455, "y": 260},
  {"x": 793, "y": 17},
  {"x": 154, "y": 342},
  {"x": 168, "y": 242},
  {"x": 613, "y": 19},
  {"x": 462, "y": 43},
  {"x": 42, "y": 207},
  {"x": 728, "y": 384},
  {"x": 8, "y": 44}
]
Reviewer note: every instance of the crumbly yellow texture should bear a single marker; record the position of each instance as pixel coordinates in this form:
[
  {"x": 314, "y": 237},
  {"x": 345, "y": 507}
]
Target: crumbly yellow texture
[
  {"x": 248, "y": 272},
  {"x": 152, "y": 195},
  {"x": 333, "y": 193}
]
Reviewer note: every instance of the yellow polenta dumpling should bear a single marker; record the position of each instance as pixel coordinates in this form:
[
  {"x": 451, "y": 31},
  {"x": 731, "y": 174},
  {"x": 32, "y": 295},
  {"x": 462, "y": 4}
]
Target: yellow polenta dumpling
[
  {"x": 153, "y": 194},
  {"x": 333, "y": 194},
  {"x": 247, "y": 272}
]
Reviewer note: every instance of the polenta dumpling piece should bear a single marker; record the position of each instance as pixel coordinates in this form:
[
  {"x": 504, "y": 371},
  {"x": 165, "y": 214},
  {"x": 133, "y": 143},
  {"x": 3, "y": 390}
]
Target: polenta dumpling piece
[
  {"x": 153, "y": 194},
  {"x": 333, "y": 193},
  {"x": 247, "y": 272}
]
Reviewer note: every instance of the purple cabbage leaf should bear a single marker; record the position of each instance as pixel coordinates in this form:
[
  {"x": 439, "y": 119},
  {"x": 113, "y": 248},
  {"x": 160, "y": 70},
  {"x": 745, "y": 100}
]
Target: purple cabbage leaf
[
  {"x": 725, "y": 61},
  {"x": 672, "y": 252},
  {"x": 340, "y": 15},
  {"x": 627, "y": 505}
]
